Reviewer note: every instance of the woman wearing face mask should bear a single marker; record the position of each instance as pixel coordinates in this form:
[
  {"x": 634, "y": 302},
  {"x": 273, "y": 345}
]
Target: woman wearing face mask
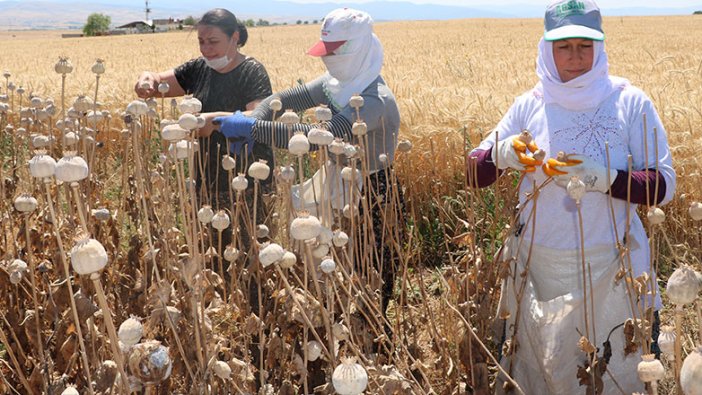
[
  {"x": 552, "y": 299},
  {"x": 353, "y": 56},
  {"x": 225, "y": 81}
]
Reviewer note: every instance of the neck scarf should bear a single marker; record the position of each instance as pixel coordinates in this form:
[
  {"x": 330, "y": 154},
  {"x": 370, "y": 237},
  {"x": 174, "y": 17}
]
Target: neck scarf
[
  {"x": 352, "y": 67},
  {"x": 582, "y": 93}
]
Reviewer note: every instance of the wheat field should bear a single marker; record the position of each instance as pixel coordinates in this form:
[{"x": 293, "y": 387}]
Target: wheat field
[{"x": 453, "y": 81}]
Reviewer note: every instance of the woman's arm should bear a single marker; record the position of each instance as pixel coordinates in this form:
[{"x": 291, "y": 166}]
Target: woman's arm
[{"x": 147, "y": 84}]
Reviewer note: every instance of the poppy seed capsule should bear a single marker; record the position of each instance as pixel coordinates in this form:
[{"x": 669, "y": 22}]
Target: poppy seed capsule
[
  {"x": 337, "y": 146},
  {"x": 231, "y": 254},
  {"x": 42, "y": 165},
  {"x": 289, "y": 117},
  {"x": 320, "y": 251},
  {"x": 36, "y": 102},
  {"x": 99, "y": 67},
  {"x": 173, "y": 132},
  {"x": 270, "y": 254},
  {"x": 190, "y": 105},
  {"x": 220, "y": 221},
  {"x": 25, "y": 203},
  {"x": 350, "y": 173},
  {"x": 70, "y": 390},
  {"x": 299, "y": 144},
  {"x": 576, "y": 188},
  {"x": 149, "y": 362},
  {"x": 350, "y": 151},
  {"x": 327, "y": 265},
  {"x": 340, "y": 238},
  {"x": 683, "y": 286},
  {"x": 287, "y": 173},
  {"x": 179, "y": 150},
  {"x": 40, "y": 141},
  {"x": 356, "y": 101},
  {"x": 305, "y": 226},
  {"x": 655, "y": 216},
  {"x": 695, "y": 211},
  {"x": 325, "y": 236},
  {"x": 349, "y": 378},
  {"x": 359, "y": 129},
  {"x": 323, "y": 113},
  {"x": 404, "y": 146},
  {"x": 340, "y": 331},
  {"x": 650, "y": 369},
  {"x": 259, "y": 170},
  {"x": 314, "y": 350},
  {"x": 101, "y": 214},
  {"x": 222, "y": 370},
  {"x": 320, "y": 136},
  {"x": 71, "y": 168},
  {"x": 666, "y": 342},
  {"x": 691, "y": 373},
  {"x": 240, "y": 183},
  {"x": 130, "y": 331},
  {"x": 63, "y": 66},
  {"x": 88, "y": 255},
  {"x": 163, "y": 87},
  {"x": 228, "y": 163},
  {"x": 187, "y": 121},
  {"x": 288, "y": 260},
  {"x": 261, "y": 231},
  {"x": 276, "y": 104},
  {"x": 205, "y": 214},
  {"x": 137, "y": 107}
]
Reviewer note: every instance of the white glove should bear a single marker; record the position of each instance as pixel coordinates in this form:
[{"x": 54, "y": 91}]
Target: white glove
[
  {"x": 512, "y": 153},
  {"x": 591, "y": 173}
]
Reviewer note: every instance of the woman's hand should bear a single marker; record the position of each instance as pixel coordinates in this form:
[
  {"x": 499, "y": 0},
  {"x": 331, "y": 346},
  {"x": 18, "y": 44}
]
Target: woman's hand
[
  {"x": 512, "y": 153},
  {"x": 146, "y": 85}
]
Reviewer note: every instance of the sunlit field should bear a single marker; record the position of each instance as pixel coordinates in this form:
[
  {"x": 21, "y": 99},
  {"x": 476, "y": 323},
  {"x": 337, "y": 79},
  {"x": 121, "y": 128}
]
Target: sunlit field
[{"x": 453, "y": 81}]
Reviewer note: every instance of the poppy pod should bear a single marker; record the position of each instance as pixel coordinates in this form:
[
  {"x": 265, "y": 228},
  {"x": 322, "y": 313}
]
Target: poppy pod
[
  {"x": 130, "y": 332},
  {"x": 695, "y": 211},
  {"x": 188, "y": 121},
  {"x": 287, "y": 173},
  {"x": 314, "y": 350},
  {"x": 163, "y": 87},
  {"x": 228, "y": 163},
  {"x": 683, "y": 286},
  {"x": 289, "y": 117},
  {"x": 259, "y": 170},
  {"x": 63, "y": 66},
  {"x": 94, "y": 117},
  {"x": 222, "y": 370},
  {"x": 356, "y": 101},
  {"x": 666, "y": 341},
  {"x": 576, "y": 188},
  {"x": 323, "y": 113},
  {"x": 88, "y": 256},
  {"x": 149, "y": 362},
  {"x": 36, "y": 102},
  {"x": 350, "y": 173},
  {"x": 650, "y": 369},
  {"x": 337, "y": 146},
  {"x": 340, "y": 238},
  {"x": 350, "y": 151},
  {"x": 42, "y": 165},
  {"x": 328, "y": 265},
  {"x": 320, "y": 136},
  {"x": 270, "y": 253},
  {"x": 179, "y": 150},
  {"x": 173, "y": 132},
  {"x": 70, "y": 390},
  {"x": 70, "y": 138},
  {"x": 25, "y": 203},
  {"x": 98, "y": 67},
  {"x": 691, "y": 373},
  {"x": 288, "y": 260},
  {"x": 320, "y": 251},
  {"x": 190, "y": 105},
  {"x": 166, "y": 122},
  {"x": 137, "y": 107},
  {"x": 231, "y": 253},
  {"x": 305, "y": 226},
  {"x": 71, "y": 168},
  {"x": 262, "y": 231},
  {"x": 205, "y": 214},
  {"x": 220, "y": 221},
  {"x": 299, "y": 144},
  {"x": 240, "y": 183},
  {"x": 349, "y": 378},
  {"x": 101, "y": 214},
  {"x": 276, "y": 105},
  {"x": 16, "y": 270},
  {"x": 404, "y": 146},
  {"x": 359, "y": 129},
  {"x": 655, "y": 216}
]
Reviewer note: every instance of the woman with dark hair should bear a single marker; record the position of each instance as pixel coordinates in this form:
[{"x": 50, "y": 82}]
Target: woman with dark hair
[{"x": 225, "y": 81}]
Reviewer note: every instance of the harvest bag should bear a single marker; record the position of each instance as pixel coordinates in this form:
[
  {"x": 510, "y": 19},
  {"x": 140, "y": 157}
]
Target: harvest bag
[
  {"x": 326, "y": 189},
  {"x": 547, "y": 357}
]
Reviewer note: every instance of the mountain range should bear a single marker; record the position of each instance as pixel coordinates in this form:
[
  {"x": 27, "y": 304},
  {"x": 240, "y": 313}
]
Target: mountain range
[{"x": 72, "y": 14}]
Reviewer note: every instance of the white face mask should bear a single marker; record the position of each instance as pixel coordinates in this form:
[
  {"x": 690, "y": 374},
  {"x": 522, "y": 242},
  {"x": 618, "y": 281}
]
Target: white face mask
[
  {"x": 340, "y": 67},
  {"x": 218, "y": 63}
]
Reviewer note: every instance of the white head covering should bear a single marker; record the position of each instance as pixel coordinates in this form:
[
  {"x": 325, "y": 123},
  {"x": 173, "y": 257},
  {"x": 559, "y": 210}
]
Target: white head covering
[
  {"x": 584, "y": 92},
  {"x": 351, "y": 52}
]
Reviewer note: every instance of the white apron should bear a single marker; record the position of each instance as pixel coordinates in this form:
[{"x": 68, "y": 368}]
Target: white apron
[{"x": 547, "y": 359}]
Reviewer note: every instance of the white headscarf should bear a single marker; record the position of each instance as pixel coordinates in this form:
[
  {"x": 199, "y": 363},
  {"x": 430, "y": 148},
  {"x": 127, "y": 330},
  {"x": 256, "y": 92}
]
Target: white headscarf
[
  {"x": 582, "y": 93},
  {"x": 353, "y": 67}
]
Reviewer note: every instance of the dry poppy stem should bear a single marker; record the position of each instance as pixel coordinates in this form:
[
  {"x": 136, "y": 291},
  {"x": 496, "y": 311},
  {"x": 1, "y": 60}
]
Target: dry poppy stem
[
  {"x": 69, "y": 283},
  {"x": 79, "y": 204},
  {"x": 112, "y": 333},
  {"x": 11, "y": 353}
]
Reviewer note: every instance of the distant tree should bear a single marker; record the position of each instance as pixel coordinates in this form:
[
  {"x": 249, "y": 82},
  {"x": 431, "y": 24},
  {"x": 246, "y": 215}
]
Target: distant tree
[
  {"x": 263, "y": 22},
  {"x": 307, "y": 22},
  {"x": 697, "y": 13},
  {"x": 299, "y": 22},
  {"x": 97, "y": 24},
  {"x": 189, "y": 21},
  {"x": 250, "y": 23},
  {"x": 315, "y": 21}
]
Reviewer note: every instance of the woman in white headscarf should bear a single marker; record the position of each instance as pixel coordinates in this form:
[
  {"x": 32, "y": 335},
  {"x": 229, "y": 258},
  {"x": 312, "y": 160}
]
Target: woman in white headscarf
[
  {"x": 353, "y": 56},
  {"x": 577, "y": 108}
]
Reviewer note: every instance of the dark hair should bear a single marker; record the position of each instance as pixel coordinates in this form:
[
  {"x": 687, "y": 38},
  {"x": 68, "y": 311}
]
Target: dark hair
[{"x": 227, "y": 22}]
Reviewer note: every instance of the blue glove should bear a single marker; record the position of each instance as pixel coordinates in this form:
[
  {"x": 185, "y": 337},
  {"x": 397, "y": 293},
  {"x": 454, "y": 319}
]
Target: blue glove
[{"x": 237, "y": 128}]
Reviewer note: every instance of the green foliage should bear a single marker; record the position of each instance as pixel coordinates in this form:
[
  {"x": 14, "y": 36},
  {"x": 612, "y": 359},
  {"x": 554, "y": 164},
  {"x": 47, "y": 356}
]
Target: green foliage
[
  {"x": 697, "y": 13},
  {"x": 97, "y": 24},
  {"x": 250, "y": 23},
  {"x": 189, "y": 21},
  {"x": 299, "y": 22},
  {"x": 263, "y": 22}
]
